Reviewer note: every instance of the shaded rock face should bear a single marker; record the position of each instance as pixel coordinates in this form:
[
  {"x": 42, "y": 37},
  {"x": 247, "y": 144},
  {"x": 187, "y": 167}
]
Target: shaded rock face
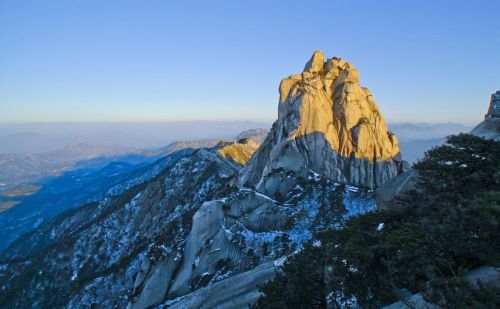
[
  {"x": 329, "y": 124},
  {"x": 235, "y": 234},
  {"x": 490, "y": 127},
  {"x": 233, "y": 293}
]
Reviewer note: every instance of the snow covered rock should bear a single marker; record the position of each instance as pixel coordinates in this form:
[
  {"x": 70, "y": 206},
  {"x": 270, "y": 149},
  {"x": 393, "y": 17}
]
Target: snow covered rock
[
  {"x": 233, "y": 235},
  {"x": 233, "y": 293}
]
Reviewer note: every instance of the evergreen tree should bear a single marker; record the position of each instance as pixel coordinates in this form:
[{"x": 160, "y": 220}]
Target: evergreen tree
[{"x": 451, "y": 225}]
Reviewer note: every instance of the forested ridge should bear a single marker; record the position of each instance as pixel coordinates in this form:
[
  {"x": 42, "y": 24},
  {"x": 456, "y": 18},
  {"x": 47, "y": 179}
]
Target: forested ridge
[{"x": 447, "y": 225}]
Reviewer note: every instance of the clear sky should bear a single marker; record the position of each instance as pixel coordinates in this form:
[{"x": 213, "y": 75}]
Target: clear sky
[{"x": 425, "y": 61}]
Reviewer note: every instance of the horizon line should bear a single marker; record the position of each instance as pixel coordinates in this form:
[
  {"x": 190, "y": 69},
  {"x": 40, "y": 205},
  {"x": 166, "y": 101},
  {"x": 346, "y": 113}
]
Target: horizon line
[{"x": 269, "y": 121}]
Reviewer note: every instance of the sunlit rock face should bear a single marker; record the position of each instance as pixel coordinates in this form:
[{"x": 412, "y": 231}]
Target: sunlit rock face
[
  {"x": 329, "y": 124},
  {"x": 329, "y": 131},
  {"x": 240, "y": 151}
]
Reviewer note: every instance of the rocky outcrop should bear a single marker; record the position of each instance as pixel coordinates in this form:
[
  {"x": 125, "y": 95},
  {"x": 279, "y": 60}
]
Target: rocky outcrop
[
  {"x": 240, "y": 151},
  {"x": 329, "y": 124},
  {"x": 386, "y": 195},
  {"x": 211, "y": 249},
  {"x": 228, "y": 236},
  {"x": 329, "y": 131},
  {"x": 156, "y": 281},
  {"x": 494, "y": 109},
  {"x": 490, "y": 127},
  {"x": 232, "y": 293}
]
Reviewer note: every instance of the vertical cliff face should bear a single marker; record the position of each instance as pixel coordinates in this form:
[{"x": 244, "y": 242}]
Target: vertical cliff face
[{"x": 329, "y": 124}]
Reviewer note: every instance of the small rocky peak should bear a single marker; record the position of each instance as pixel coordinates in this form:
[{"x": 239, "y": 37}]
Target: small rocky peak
[
  {"x": 490, "y": 127},
  {"x": 240, "y": 151},
  {"x": 316, "y": 63},
  {"x": 494, "y": 109}
]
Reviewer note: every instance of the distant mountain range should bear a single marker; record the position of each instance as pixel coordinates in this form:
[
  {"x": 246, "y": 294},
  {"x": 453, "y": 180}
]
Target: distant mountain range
[
  {"x": 37, "y": 163},
  {"x": 408, "y": 131},
  {"x": 416, "y": 138},
  {"x": 47, "y": 137},
  {"x": 28, "y": 167}
]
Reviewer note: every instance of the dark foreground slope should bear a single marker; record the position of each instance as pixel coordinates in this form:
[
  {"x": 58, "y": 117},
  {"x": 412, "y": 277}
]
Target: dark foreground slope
[{"x": 449, "y": 224}]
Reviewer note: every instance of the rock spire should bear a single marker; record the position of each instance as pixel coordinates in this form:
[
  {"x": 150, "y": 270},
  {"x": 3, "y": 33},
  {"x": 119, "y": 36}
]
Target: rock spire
[{"x": 328, "y": 124}]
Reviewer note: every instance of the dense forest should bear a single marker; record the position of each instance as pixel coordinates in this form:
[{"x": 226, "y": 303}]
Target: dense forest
[{"x": 447, "y": 225}]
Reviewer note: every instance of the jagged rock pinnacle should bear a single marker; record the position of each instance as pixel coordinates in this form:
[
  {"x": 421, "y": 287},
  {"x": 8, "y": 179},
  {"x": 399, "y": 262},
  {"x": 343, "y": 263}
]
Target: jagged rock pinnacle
[
  {"x": 329, "y": 124},
  {"x": 316, "y": 63}
]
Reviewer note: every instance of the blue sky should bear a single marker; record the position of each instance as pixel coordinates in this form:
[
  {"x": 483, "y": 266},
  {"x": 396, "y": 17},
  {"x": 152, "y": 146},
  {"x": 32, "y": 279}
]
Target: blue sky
[{"x": 425, "y": 61}]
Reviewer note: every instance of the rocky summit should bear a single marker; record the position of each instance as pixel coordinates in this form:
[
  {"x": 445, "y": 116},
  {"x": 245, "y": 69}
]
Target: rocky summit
[
  {"x": 327, "y": 123},
  {"x": 388, "y": 194},
  {"x": 203, "y": 228},
  {"x": 329, "y": 132},
  {"x": 490, "y": 127}
]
